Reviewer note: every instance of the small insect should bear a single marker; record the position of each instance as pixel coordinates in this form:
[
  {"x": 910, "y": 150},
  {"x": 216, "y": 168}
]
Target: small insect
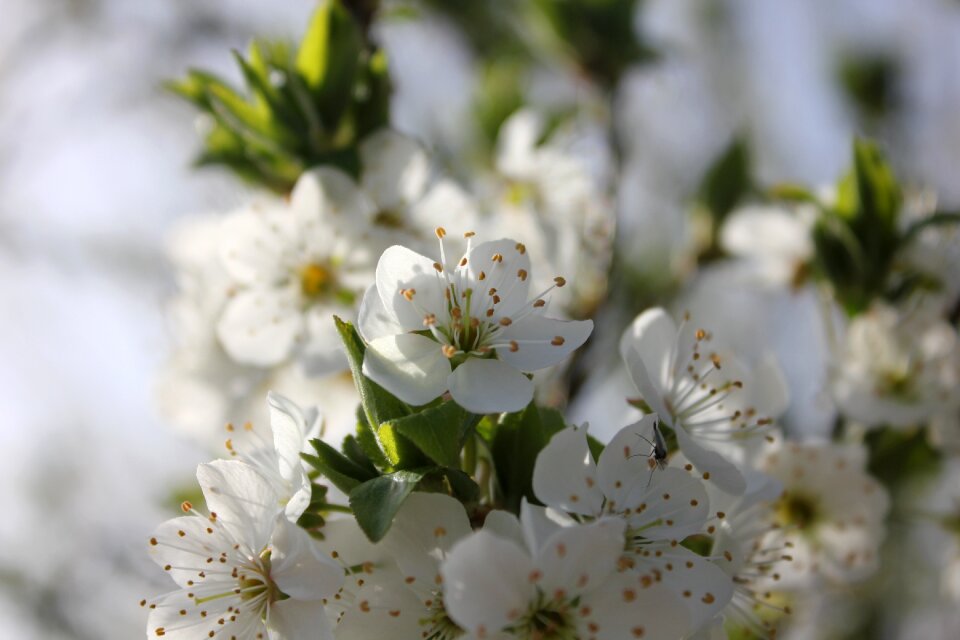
[{"x": 657, "y": 458}]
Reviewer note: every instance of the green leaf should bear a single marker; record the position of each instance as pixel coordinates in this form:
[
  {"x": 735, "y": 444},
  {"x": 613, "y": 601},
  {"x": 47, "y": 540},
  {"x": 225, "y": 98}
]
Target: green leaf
[
  {"x": 329, "y": 57},
  {"x": 352, "y": 449},
  {"x": 518, "y": 439},
  {"x": 437, "y": 431},
  {"x": 377, "y": 501},
  {"x": 727, "y": 182},
  {"x": 935, "y": 220},
  {"x": 379, "y": 406},
  {"x": 343, "y": 472}
]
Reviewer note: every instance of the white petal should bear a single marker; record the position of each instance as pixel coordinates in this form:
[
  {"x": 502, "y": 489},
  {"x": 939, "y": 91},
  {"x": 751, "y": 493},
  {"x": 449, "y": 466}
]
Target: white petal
[
  {"x": 392, "y": 610},
  {"x": 423, "y": 532},
  {"x": 322, "y": 352},
  {"x": 649, "y": 391},
  {"x": 166, "y": 615},
  {"x": 652, "y": 335},
  {"x": 683, "y": 571},
  {"x": 580, "y": 558},
  {"x": 531, "y": 357},
  {"x": 395, "y": 169},
  {"x": 516, "y": 144},
  {"x": 399, "y": 269},
  {"x": 255, "y": 244},
  {"x": 298, "y": 565},
  {"x": 374, "y": 321},
  {"x": 486, "y": 582},
  {"x": 261, "y": 327},
  {"x": 490, "y": 386},
  {"x": 345, "y": 542},
  {"x": 505, "y": 525},
  {"x": 242, "y": 499},
  {"x": 184, "y": 543},
  {"x": 505, "y": 273},
  {"x": 289, "y": 431},
  {"x": 295, "y": 619},
  {"x": 723, "y": 473},
  {"x": 625, "y": 459},
  {"x": 624, "y": 608},
  {"x": 676, "y": 504},
  {"x": 407, "y": 365},
  {"x": 329, "y": 196},
  {"x": 769, "y": 387},
  {"x": 445, "y": 205},
  {"x": 538, "y": 524},
  {"x": 564, "y": 475}
]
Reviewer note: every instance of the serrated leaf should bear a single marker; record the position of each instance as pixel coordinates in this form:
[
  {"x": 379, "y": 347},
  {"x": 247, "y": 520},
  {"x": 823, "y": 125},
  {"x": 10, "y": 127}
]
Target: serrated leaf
[
  {"x": 352, "y": 449},
  {"x": 437, "y": 431},
  {"x": 344, "y": 473},
  {"x": 376, "y": 502}
]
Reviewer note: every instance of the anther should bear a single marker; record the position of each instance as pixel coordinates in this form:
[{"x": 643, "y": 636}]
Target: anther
[
  {"x": 463, "y": 261},
  {"x": 559, "y": 281},
  {"x": 440, "y": 231},
  {"x": 557, "y": 341},
  {"x": 539, "y": 303},
  {"x": 505, "y": 322},
  {"x": 469, "y": 234},
  {"x": 438, "y": 267},
  {"x": 522, "y": 274},
  {"x": 521, "y": 248},
  {"x": 514, "y": 347},
  {"x": 449, "y": 350}
]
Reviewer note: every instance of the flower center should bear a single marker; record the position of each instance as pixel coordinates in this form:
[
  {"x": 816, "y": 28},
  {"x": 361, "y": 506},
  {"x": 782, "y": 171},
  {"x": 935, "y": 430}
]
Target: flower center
[
  {"x": 316, "y": 280},
  {"x": 797, "y": 510},
  {"x": 438, "y": 625},
  {"x": 548, "y": 620}
]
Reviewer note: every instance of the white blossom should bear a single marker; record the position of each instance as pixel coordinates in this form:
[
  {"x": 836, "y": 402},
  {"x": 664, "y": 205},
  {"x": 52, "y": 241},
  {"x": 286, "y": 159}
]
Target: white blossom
[
  {"x": 569, "y": 587},
  {"x": 661, "y": 507},
  {"x": 245, "y": 570},
  {"x": 831, "y": 512},
  {"x": 469, "y": 327},
  {"x": 293, "y": 268},
  {"x": 897, "y": 369},
  {"x": 705, "y": 395}
]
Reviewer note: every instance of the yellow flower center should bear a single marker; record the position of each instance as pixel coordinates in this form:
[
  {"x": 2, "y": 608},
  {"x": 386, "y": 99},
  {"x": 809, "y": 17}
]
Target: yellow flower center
[{"x": 316, "y": 280}]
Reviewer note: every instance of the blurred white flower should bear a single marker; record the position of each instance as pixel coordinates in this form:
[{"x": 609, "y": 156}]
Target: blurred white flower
[
  {"x": 831, "y": 512},
  {"x": 707, "y": 397},
  {"x": 569, "y": 587},
  {"x": 293, "y": 268},
  {"x": 774, "y": 242},
  {"x": 471, "y": 328},
  {"x": 544, "y": 192},
  {"x": 897, "y": 369},
  {"x": 244, "y": 571}
]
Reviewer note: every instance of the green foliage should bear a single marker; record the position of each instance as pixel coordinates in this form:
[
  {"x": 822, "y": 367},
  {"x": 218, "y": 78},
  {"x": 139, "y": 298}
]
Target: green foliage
[
  {"x": 300, "y": 108},
  {"x": 896, "y": 455},
  {"x": 727, "y": 182},
  {"x": 599, "y": 34},
  {"x": 439, "y": 432},
  {"x": 376, "y": 502},
  {"x": 856, "y": 239},
  {"x": 344, "y": 473},
  {"x": 515, "y": 441}
]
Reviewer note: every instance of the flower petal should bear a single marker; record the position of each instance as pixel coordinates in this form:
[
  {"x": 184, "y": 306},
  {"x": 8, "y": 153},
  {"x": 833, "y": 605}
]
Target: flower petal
[
  {"x": 649, "y": 391},
  {"x": 684, "y": 572},
  {"x": 423, "y": 532},
  {"x": 624, "y": 608},
  {"x": 295, "y": 619},
  {"x": 500, "y": 265},
  {"x": 399, "y": 269},
  {"x": 578, "y": 559},
  {"x": 254, "y": 242},
  {"x": 409, "y": 366},
  {"x": 486, "y": 582},
  {"x": 625, "y": 459},
  {"x": 322, "y": 353},
  {"x": 445, "y": 204},
  {"x": 721, "y": 472},
  {"x": 329, "y": 195},
  {"x": 374, "y": 321},
  {"x": 653, "y": 336},
  {"x": 298, "y": 565},
  {"x": 395, "y": 169},
  {"x": 261, "y": 327},
  {"x": 489, "y": 386},
  {"x": 505, "y": 525},
  {"x": 244, "y": 502},
  {"x": 565, "y": 476},
  {"x": 289, "y": 428},
  {"x": 557, "y": 339}
]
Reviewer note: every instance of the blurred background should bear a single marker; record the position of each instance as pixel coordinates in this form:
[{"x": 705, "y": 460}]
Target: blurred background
[{"x": 95, "y": 168}]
